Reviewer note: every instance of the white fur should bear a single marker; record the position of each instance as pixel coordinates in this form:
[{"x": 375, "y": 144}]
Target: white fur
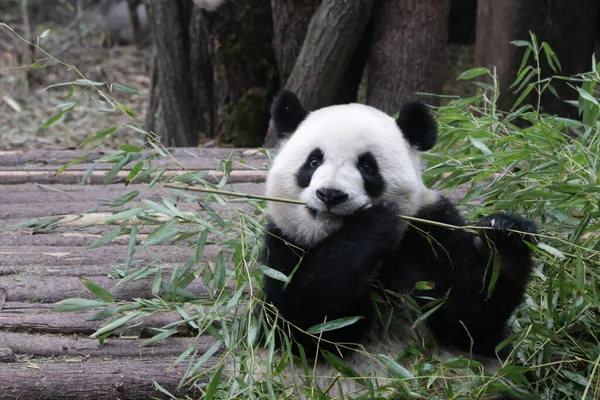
[{"x": 343, "y": 132}]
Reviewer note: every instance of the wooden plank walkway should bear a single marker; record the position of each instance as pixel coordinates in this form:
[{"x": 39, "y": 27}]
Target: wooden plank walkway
[{"x": 46, "y": 355}]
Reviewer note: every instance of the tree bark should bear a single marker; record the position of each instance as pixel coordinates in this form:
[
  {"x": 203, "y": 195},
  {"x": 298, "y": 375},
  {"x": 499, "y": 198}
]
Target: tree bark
[
  {"x": 462, "y": 21},
  {"x": 290, "y": 23},
  {"x": 499, "y": 23},
  {"x": 333, "y": 34},
  {"x": 409, "y": 38},
  {"x": 245, "y": 76},
  {"x": 179, "y": 88},
  {"x": 332, "y": 37}
]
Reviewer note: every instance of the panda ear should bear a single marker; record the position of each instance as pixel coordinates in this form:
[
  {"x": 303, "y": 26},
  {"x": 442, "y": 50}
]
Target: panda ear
[
  {"x": 287, "y": 113},
  {"x": 418, "y": 125}
]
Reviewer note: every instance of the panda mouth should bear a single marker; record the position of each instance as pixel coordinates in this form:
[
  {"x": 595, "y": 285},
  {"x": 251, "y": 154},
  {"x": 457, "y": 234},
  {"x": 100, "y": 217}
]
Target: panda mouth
[
  {"x": 313, "y": 212},
  {"x": 321, "y": 213}
]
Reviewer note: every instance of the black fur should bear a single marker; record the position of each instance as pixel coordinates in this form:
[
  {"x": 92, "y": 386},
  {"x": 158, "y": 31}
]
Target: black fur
[
  {"x": 306, "y": 171},
  {"x": 287, "y": 113},
  {"x": 417, "y": 125},
  {"x": 334, "y": 278},
  {"x": 369, "y": 170}
]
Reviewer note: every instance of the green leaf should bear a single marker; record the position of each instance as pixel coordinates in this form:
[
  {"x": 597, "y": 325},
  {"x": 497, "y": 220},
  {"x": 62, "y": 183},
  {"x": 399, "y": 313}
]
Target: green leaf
[
  {"x": 70, "y": 164},
  {"x": 134, "y": 172},
  {"x": 206, "y": 356},
  {"x": 342, "y": 366},
  {"x": 126, "y": 110},
  {"x": 575, "y": 377},
  {"x": 551, "y": 250},
  {"x": 56, "y": 117},
  {"x": 161, "y": 234},
  {"x": 332, "y": 325},
  {"x": 480, "y": 145},
  {"x": 111, "y": 326},
  {"x": 495, "y": 275},
  {"x": 98, "y": 136},
  {"x": 214, "y": 384},
  {"x": 462, "y": 363},
  {"x": 107, "y": 237},
  {"x": 587, "y": 96},
  {"x": 520, "y": 43},
  {"x": 274, "y": 274},
  {"x": 395, "y": 369},
  {"x": 124, "y": 89},
  {"x": 425, "y": 285},
  {"x": 129, "y": 148},
  {"x": 77, "y": 304},
  {"x": 87, "y": 82},
  {"x": 219, "y": 277},
  {"x": 97, "y": 290},
  {"x": 103, "y": 314},
  {"x": 124, "y": 215},
  {"x": 135, "y": 229},
  {"x": 124, "y": 199},
  {"x": 158, "y": 337},
  {"x": 472, "y": 73}
]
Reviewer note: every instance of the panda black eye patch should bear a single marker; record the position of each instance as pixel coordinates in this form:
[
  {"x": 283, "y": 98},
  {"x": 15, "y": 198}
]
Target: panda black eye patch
[
  {"x": 369, "y": 170},
  {"x": 306, "y": 171}
]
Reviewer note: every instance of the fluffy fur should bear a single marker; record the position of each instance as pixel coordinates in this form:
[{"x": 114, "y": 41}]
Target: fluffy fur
[{"x": 357, "y": 169}]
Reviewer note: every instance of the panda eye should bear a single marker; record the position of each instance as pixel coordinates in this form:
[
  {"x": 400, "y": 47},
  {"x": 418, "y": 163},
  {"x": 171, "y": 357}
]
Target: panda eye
[
  {"x": 366, "y": 168},
  {"x": 314, "y": 162}
]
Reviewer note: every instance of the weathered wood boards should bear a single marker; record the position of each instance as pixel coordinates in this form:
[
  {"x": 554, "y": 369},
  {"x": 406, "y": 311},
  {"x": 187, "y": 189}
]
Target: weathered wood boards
[{"x": 47, "y": 355}]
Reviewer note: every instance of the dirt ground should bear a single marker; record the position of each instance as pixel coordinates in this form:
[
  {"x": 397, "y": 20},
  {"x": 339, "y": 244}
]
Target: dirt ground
[{"x": 26, "y": 102}]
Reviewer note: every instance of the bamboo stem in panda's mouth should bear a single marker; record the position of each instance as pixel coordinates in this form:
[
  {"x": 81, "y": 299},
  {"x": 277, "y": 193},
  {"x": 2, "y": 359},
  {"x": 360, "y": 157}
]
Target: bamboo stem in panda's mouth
[
  {"x": 233, "y": 194},
  {"x": 469, "y": 228}
]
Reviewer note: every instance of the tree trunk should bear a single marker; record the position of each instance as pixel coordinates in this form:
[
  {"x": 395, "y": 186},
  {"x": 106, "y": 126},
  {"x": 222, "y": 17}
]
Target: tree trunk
[
  {"x": 290, "y": 23},
  {"x": 332, "y": 37},
  {"x": 462, "y": 18},
  {"x": 499, "y": 23},
  {"x": 179, "y": 88},
  {"x": 409, "y": 38},
  {"x": 245, "y": 77}
]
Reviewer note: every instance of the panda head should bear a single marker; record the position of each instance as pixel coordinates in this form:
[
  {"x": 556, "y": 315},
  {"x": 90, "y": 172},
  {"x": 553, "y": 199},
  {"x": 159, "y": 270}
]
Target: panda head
[{"x": 340, "y": 158}]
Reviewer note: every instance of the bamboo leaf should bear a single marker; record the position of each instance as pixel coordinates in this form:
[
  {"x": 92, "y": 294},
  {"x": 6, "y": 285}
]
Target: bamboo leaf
[
  {"x": 77, "y": 304},
  {"x": 97, "y": 290},
  {"x": 124, "y": 89},
  {"x": 472, "y": 73},
  {"x": 56, "y": 117},
  {"x": 332, "y": 325},
  {"x": 99, "y": 136}
]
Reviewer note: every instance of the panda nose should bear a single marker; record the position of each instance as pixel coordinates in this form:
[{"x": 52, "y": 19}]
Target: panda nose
[{"x": 331, "y": 197}]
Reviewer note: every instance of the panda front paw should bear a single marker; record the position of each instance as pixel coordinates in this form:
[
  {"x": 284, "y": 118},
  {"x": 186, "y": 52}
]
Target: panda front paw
[
  {"x": 378, "y": 220},
  {"x": 510, "y": 231}
]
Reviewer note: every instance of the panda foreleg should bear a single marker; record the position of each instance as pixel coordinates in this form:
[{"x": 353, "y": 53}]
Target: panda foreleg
[
  {"x": 332, "y": 279},
  {"x": 474, "y": 311}
]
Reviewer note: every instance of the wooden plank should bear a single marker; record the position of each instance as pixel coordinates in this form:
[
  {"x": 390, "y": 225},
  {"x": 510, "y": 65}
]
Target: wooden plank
[
  {"x": 124, "y": 380},
  {"x": 189, "y": 163},
  {"x": 183, "y": 155},
  {"x": 51, "y": 289},
  {"x": 39, "y": 318},
  {"x": 97, "y": 177},
  {"x": 11, "y": 256},
  {"x": 74, "y": 346},
  {"x": 38, "y": 193}
]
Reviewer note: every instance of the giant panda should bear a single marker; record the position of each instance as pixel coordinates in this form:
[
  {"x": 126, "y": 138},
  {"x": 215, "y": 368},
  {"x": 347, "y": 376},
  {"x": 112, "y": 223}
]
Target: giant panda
[{"x": 347, "y": 249}]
